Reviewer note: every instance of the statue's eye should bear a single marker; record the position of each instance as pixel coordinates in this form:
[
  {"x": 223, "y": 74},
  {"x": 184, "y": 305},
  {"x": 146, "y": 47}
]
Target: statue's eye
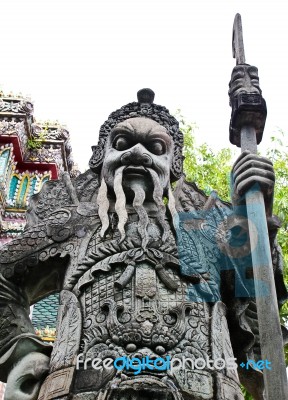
[
  {"x": 157, "y": 147},
  {"x": 121, "y": 143}
]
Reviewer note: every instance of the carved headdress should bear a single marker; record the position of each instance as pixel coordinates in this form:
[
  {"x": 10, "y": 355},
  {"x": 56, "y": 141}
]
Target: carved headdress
[{"x": 143, "y": 108}]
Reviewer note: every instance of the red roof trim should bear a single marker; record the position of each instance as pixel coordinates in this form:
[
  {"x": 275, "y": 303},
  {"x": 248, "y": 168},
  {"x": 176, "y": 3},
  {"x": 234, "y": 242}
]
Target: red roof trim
[{"x": 30, "y": 166}]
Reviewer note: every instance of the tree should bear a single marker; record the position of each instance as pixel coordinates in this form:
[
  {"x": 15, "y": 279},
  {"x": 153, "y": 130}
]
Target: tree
[
  {"x": 210, "y": 170},
  {"x": 278, "y": 153}
]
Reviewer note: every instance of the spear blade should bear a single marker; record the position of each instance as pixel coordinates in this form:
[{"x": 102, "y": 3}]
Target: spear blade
[{"x": 237, "y": 41}]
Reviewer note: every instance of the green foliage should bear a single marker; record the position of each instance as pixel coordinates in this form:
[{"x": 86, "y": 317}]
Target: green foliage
[
  {"x": 34, "y": 144},
  {"x": 37, "y": 142},
  {"x": 278, "y": 154},
  {"x": 247, "y": 395},
  {"x": 211, "y": 170}
]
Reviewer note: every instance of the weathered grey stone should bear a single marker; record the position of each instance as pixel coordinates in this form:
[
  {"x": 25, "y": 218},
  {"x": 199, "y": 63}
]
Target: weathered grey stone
[{"x": 136, "y": 277}]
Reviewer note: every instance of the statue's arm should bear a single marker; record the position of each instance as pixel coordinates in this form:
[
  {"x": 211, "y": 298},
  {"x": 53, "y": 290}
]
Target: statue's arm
[
  {"x": 33, "y": 265},
  {"x": 30, "y": 269}
]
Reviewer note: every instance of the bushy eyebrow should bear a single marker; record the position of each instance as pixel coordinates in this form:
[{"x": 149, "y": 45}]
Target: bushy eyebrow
[
  {"x": 160, "y": 134},
  {"x": 121, "y": 130},
  {"x": 129, "y": 130},
  {"x": 125, "y": 126}
]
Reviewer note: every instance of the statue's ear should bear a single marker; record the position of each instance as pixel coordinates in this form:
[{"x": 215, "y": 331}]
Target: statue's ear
[
  {"x": 96, "y": 160},
  {"x": 177, "y": 164}
]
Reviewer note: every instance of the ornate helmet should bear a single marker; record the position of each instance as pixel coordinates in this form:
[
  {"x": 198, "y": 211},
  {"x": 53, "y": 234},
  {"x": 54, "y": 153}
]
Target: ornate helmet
[{"x": 143, "y": 108}]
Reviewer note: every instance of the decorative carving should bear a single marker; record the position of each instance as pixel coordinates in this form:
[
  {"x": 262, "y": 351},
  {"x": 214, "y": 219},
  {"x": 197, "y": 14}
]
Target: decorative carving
[
  {"x": 54, "y": 195},
  {"x": 16, "y": 106},
  {"x": 57, "y": 384},
  {"x": 137, "y": 278},
  {"x": 69, "y": 330},
  {"x": 14, "y": 126}
]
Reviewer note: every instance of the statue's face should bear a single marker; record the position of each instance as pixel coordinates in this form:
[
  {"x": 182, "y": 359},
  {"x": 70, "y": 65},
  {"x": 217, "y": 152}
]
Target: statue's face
[{"x": 139, "y": 144}]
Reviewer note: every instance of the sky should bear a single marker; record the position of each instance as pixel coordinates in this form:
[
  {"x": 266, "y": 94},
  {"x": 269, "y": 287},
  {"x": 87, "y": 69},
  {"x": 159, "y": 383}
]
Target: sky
[{"x": 79, "y": 60}]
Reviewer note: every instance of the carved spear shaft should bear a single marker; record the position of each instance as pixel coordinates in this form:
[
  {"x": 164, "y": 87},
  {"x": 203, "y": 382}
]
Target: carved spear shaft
[{"x": 271, "y": 341}]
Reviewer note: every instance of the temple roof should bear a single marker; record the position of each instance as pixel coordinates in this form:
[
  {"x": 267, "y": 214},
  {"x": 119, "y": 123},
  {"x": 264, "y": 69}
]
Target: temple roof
[{"x": 44, "y": 317}]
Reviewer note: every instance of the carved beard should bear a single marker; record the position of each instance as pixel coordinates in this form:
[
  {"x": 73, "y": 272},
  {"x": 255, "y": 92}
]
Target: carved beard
[{"x": 139, "y": 198}]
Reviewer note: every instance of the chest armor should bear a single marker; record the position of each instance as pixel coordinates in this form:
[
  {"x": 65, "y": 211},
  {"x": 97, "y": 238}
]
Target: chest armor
[{"x": 136, "y": 302}]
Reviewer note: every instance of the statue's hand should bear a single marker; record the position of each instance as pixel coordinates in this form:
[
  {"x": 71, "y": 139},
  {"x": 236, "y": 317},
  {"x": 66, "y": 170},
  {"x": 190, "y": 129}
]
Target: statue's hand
[
  {"x": 250, "y": 170},
  {"x": 25, "y": 378}
]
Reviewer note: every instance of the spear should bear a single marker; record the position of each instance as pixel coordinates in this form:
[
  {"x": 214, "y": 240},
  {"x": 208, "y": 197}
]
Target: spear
[{"x": 246, "y": 130}]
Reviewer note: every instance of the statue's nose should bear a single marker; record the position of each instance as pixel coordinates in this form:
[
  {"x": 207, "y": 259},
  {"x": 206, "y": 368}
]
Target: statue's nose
[{"x": 136, "y": 157}]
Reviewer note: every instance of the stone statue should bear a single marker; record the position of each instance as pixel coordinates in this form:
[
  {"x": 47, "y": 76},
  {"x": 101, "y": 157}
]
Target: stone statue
[{"x": 144, "y": 271}]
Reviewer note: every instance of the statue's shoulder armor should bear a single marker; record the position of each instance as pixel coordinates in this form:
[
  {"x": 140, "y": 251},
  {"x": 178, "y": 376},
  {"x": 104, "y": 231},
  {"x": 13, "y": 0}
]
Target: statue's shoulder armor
[
  {"x": 86, "y": 186},
  {"x": 61, "y": 193},
  {"x": 188, "y": 198}
]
